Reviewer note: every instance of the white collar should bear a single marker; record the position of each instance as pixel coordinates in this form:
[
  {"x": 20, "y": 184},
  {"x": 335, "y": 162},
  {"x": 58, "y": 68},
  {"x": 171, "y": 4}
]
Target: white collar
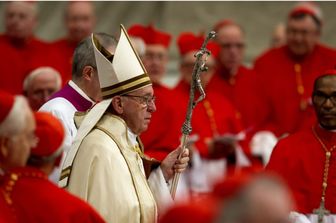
[
  {"x": 80, "y": 91},
  {"x": 132, "y": 137}
]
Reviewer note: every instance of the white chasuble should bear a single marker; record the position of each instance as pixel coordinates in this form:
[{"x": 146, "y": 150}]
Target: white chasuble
[{"x": 109, "y": 175}]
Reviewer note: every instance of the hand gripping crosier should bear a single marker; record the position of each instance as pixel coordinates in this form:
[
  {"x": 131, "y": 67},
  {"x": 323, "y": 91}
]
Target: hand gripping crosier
[{"x": 201, "y": 57}]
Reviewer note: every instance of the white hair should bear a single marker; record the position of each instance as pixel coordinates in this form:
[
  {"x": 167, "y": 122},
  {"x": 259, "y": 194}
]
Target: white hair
[
  {"x": 139, "y": 45},
  {"x": 15, "y": 121},
  {"x": 39, "y": 71}
]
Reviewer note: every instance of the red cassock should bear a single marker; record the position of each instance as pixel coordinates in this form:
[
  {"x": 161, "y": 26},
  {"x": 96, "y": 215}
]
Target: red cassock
[
  {"x": 35, "y": 199},
  {"x": 241, "y": 91},
  {"x": 204, "y": 210},
  {"x": 6, "y": 214},
  {"x": 64, "y": 50},
  {"x": 300, "y": 160},
  {"x": 162, "y": 135},
  {"x": 18, "y": 59},
  {"x": 213, "y": 116},
  {"x": 286, "y": 86}
]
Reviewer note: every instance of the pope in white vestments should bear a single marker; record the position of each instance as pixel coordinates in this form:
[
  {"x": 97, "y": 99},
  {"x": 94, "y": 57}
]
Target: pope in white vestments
[
  {"x": 105, "y": 165},
  {"x": 115, "y": 181}
]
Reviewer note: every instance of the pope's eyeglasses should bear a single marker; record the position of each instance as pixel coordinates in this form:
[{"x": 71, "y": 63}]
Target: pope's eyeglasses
[{"x": 146, "y": 100}]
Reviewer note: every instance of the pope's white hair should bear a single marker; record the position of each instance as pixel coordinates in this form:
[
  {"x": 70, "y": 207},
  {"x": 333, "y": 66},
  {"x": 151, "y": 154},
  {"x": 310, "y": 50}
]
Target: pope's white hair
[
  {"x": 15, "y": 121},
  {"x": 39, "y": 71}
]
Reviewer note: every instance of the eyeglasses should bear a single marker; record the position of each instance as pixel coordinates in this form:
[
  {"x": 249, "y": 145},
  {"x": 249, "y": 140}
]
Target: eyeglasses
[
  {"x": 43, "y": 93},
  {"x": 145, "y": 100},
  {"x": 158, "y": 56},
  {"x": 320, "y": 98},
  {"x": 304, "y": 33}
]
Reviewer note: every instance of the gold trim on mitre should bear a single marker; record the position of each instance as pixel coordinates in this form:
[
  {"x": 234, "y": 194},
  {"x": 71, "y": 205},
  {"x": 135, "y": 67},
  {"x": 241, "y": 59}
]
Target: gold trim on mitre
[
  {"x": 122, "y": 72},
  {"x": 126, "y": 86}
]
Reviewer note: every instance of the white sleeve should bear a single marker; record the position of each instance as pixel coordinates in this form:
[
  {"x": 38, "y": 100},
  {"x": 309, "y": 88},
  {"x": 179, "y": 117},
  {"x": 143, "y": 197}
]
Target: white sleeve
[
  {"x": 242, "y": 159},
  {"x": 296, "y": 217},
  {"x": 326, "y": 219},
  {"x": 160, "y": 190},
  {"x": 64, "y": 111}
]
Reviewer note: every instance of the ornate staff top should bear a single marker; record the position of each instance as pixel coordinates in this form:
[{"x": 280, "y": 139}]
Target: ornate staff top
[
  {"x": 201, "y": 58},
  {"x": 199, "y": 67}
]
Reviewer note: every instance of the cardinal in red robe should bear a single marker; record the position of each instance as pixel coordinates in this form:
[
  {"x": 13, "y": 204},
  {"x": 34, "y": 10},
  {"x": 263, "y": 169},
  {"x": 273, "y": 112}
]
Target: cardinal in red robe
[{"x": 286, "y": 74}]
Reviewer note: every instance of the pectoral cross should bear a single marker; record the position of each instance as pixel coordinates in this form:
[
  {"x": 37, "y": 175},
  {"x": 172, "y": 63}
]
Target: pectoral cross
[{"x": 320, "y": 212}]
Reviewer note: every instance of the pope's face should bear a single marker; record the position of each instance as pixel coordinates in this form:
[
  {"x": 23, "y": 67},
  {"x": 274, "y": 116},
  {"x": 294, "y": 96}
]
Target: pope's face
[
  {"x": 324, "y": 100},
  {"x": 20, "y": 19},
  {"x": 138, "y": 107},
  {"x": 155, "y": 61},
  {"x": 302, "y": 35}
]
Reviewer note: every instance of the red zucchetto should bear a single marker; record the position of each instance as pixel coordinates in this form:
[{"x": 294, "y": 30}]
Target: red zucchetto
[
  {"x": 150, "y": 35},
  {"x": 188, "y": 42},
  {"x": 50, "y": 134}
]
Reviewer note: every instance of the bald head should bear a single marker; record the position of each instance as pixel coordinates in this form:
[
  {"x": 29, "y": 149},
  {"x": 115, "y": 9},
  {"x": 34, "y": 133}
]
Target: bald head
[
  {"x": 79, "y": 20},
  {"x": 264, "y": 199},
  {"x": 269, "y": 200},
  {"x": 231, "y": 39},
  {"x": 20, "y": 19}
]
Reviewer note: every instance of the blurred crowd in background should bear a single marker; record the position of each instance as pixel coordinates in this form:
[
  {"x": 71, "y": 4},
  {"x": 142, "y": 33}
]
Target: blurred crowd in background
[{"x": 245, "y": 113}]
